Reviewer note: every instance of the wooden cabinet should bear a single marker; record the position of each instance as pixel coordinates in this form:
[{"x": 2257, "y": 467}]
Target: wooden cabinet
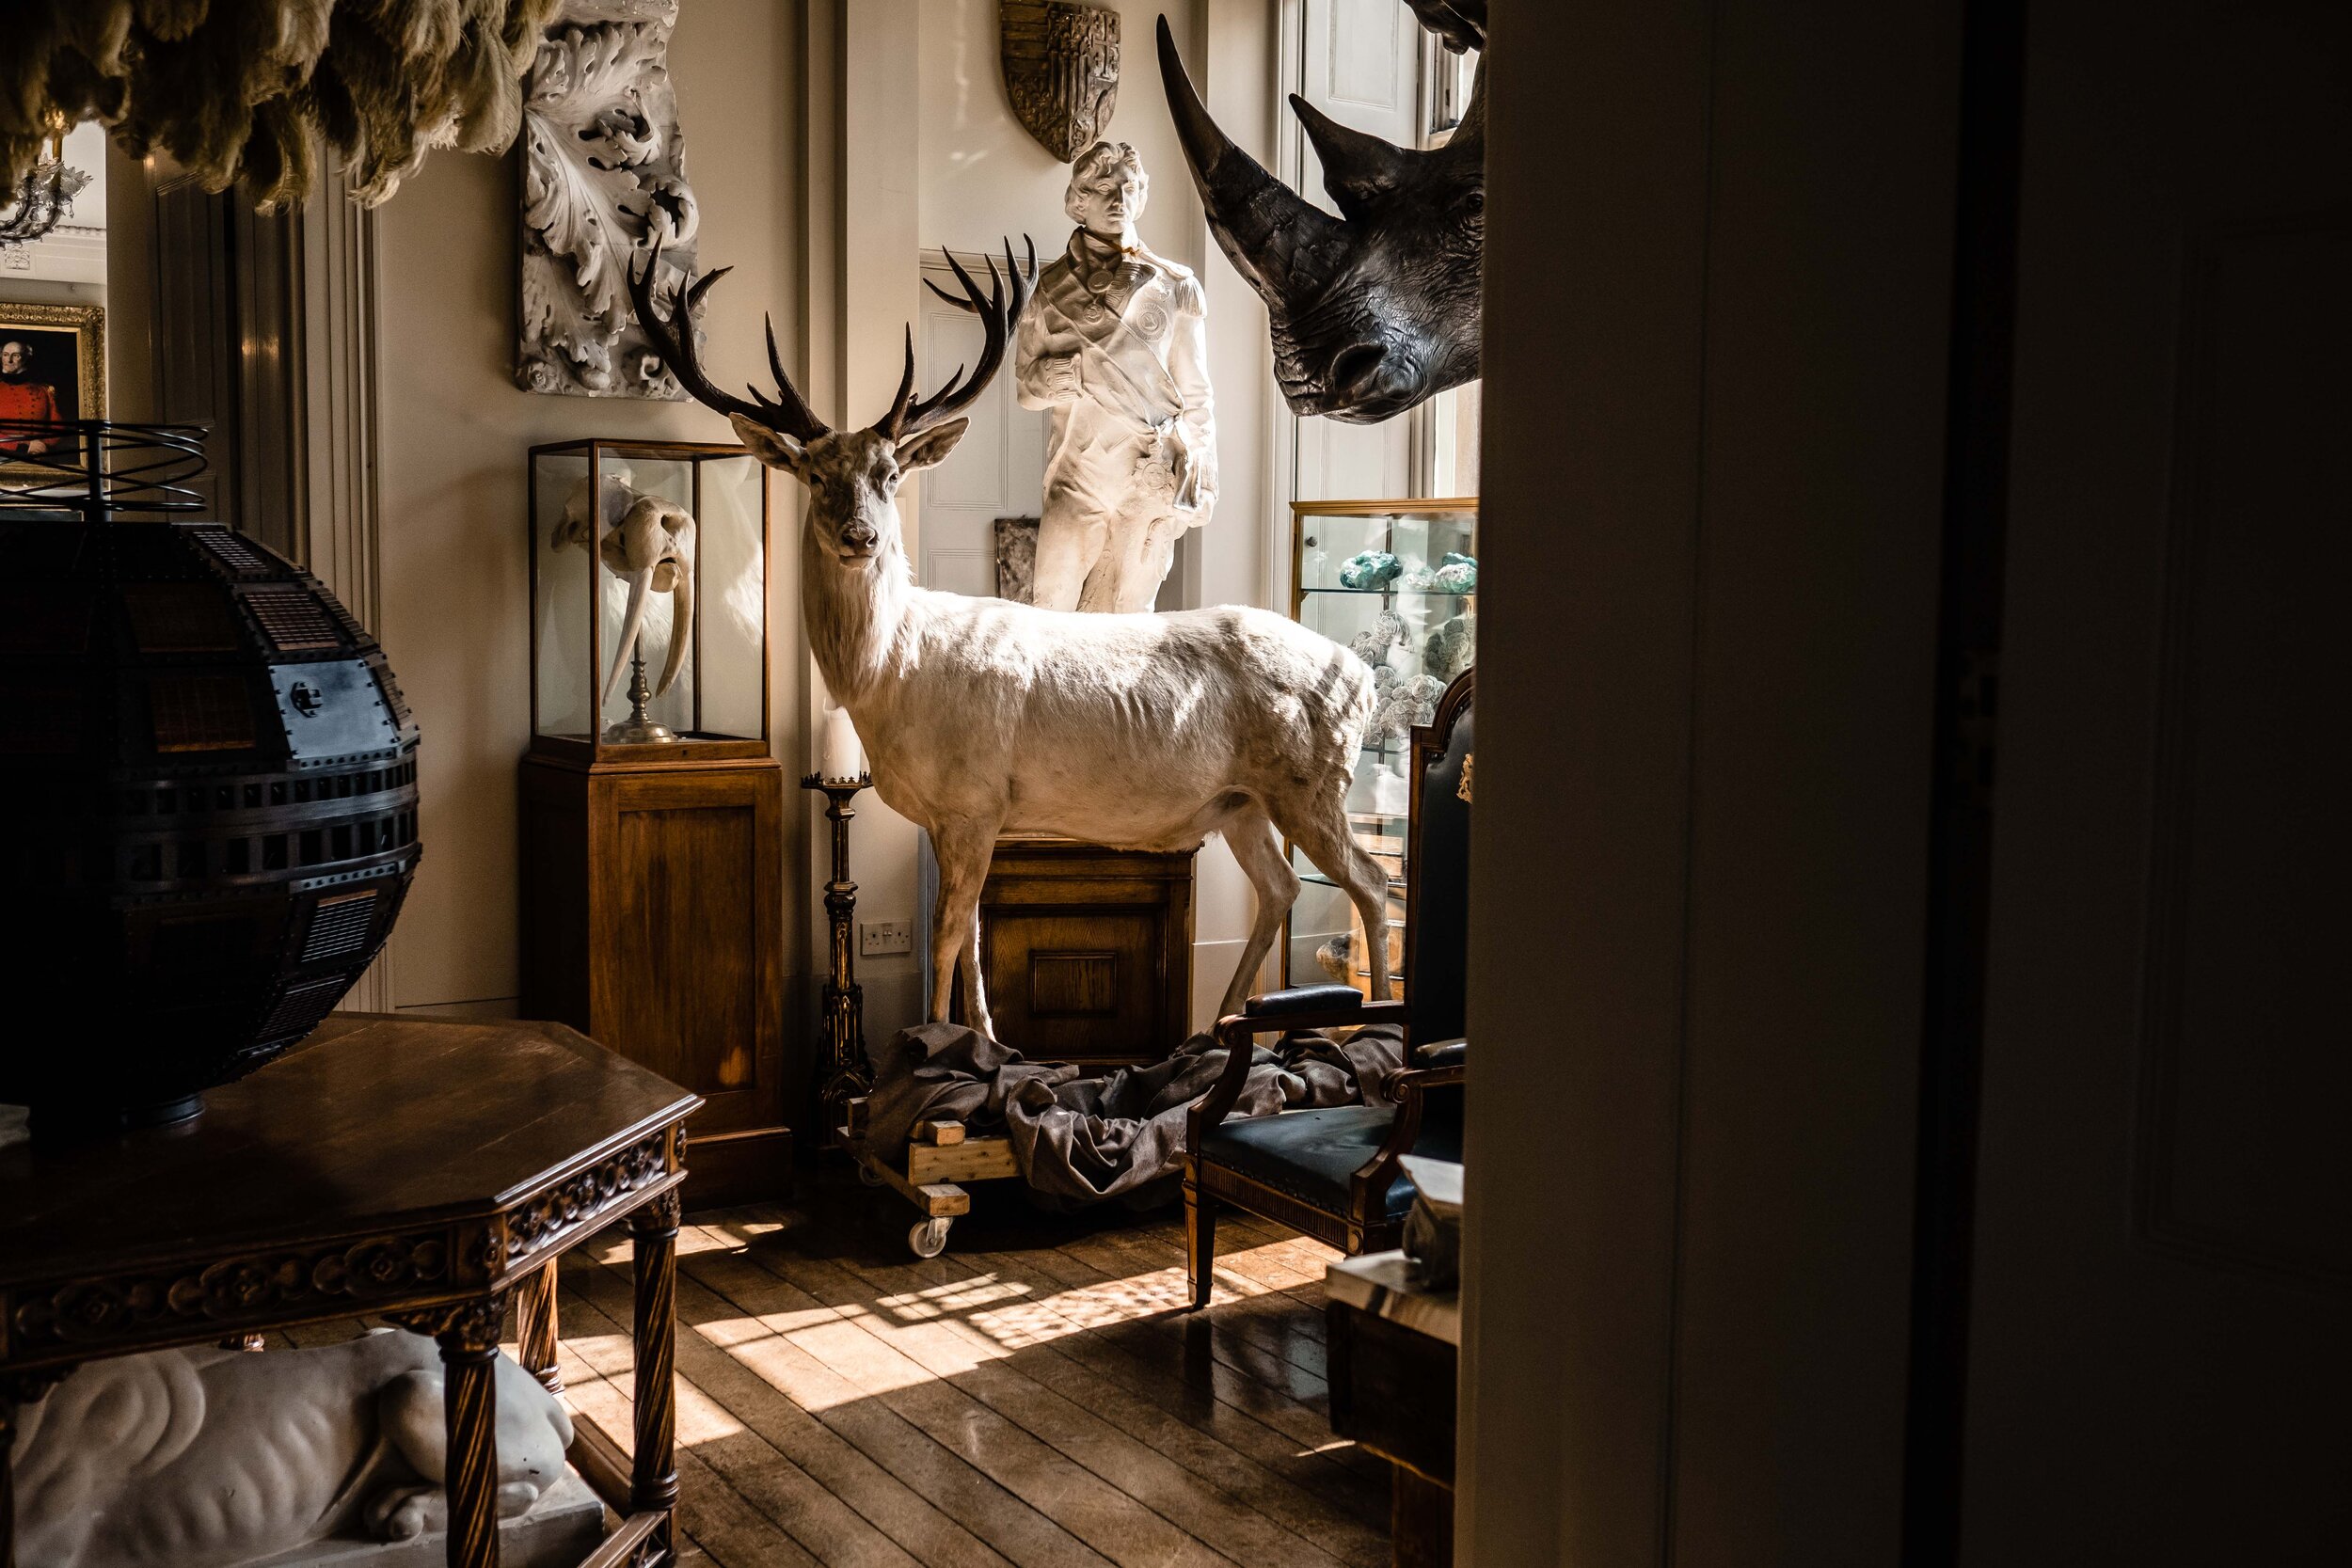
[
  {"x": 652, "y": 903},
  {"x": 1088, "y": 951}
]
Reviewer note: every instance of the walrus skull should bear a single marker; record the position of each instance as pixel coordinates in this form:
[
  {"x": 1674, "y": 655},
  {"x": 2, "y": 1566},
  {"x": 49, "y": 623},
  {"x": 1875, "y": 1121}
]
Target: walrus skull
[{"x": 649, "y": 543}]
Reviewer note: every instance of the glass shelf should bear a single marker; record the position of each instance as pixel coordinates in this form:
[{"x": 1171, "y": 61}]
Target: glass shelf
[
  {"x": 1396, "y": 884},
  {"x": 1398, "y": 591}
]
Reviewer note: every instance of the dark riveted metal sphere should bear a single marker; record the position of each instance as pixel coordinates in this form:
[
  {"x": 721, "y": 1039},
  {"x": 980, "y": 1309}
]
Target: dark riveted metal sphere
[{"x": 208, "y": 790}]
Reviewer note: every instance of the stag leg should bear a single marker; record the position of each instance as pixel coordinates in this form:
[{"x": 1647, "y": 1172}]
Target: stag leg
[
  {"x": 1259, "y": 848},
  {"x": 1334, "y": 850},
  {"x": 965, "y": 851}
]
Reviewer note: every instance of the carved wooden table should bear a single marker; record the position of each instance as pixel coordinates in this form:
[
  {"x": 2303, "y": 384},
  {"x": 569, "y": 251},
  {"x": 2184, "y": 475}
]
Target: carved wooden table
[{"x": 418, "y": 1171}]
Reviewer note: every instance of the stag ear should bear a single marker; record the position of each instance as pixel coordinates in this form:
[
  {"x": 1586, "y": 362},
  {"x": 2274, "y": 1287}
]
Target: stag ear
[
  {"x": 773, "y": 448},
  {"x": 931, "y": 447}
]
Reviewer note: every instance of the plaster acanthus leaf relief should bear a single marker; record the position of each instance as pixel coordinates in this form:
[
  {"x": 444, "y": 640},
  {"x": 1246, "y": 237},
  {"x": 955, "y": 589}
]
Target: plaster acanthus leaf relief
[{"x": 604, "y": 177}]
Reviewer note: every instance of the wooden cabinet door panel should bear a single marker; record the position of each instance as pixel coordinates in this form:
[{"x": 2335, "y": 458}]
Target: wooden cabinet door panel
[{"x": 686, "y": 977}]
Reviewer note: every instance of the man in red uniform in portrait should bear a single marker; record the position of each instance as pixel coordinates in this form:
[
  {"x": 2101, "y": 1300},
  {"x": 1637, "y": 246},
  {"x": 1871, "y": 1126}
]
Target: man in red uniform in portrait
[{"x": 22, "y": 397}]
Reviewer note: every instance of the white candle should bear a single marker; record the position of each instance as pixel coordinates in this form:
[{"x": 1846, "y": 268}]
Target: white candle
[{"x": 845, "y": 759}]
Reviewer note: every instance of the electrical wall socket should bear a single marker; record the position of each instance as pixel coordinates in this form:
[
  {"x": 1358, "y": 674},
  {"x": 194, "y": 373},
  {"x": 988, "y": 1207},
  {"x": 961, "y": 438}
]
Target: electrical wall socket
[{"x": 881, "y": 938}]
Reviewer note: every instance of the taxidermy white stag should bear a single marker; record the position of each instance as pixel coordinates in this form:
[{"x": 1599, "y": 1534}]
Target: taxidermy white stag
[
  {"x": 647, "y": 542},
  {"x": 1138, "y": 732}
]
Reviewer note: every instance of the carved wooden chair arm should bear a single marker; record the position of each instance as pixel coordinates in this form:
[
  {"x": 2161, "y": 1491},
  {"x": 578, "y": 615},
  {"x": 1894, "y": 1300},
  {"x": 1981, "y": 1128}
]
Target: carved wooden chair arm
[
  {"x": 1368, "y": 1189},
  {"x": 1301, "y": 1007},
  {"x": 1403, "y": 1086}
]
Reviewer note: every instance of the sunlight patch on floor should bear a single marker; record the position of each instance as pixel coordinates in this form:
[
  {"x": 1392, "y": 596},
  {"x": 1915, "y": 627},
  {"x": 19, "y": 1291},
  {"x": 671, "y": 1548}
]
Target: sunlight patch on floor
[{"x": 945, "y": 1300}]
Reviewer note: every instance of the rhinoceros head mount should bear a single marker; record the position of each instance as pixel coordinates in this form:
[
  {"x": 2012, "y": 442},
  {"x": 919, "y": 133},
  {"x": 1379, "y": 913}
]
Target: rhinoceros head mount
[{"x": 1377, "y": 309}]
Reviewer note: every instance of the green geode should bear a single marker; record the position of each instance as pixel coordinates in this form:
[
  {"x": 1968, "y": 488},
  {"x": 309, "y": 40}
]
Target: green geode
[{"x": 1371, "y": 569}]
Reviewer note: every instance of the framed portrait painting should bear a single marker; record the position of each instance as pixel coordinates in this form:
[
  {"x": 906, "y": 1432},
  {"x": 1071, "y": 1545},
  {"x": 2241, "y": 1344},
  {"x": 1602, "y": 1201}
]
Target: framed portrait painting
[{"x": 52, "y": 366}]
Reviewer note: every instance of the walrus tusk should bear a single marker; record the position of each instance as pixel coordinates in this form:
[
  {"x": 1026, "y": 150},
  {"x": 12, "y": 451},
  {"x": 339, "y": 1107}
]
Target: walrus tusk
[
  {"x": 681, "y": 552},
  {"x": 640, "y": 589}
]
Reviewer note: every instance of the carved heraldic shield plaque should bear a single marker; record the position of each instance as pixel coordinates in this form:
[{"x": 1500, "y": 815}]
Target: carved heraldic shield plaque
[{"x": 1062, "y": 72}]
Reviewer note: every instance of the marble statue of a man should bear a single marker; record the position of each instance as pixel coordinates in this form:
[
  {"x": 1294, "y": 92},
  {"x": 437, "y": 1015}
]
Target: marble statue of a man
[{"x": 1115, "y": 343}]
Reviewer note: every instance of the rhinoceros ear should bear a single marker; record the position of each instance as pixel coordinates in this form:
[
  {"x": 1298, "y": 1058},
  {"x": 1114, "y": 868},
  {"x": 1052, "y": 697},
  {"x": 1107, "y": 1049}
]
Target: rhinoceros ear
[{"x": 1359, "y": 169}]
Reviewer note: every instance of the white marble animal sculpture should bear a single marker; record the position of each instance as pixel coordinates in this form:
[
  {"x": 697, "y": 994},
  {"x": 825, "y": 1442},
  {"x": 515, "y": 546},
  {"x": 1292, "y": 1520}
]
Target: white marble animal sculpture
[
  {"x": 647, "y": 542},
  {"x": 1136, "y": 731},
  {"x": 211, "y": 1458}
]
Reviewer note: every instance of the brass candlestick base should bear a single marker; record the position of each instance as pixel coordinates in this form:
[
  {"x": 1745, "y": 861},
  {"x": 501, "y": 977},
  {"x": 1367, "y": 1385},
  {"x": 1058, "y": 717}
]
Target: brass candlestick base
[
  {"x": 638, "y": 729},
  {"x": 845, "y": 1074}
]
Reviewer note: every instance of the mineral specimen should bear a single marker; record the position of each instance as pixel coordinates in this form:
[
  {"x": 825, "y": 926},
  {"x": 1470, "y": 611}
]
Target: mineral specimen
[{"x": 1370, "y": 569}]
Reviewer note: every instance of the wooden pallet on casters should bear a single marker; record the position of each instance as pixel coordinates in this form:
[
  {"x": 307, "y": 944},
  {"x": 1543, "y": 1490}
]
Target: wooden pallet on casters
[{"x": 940, "y": 1157}]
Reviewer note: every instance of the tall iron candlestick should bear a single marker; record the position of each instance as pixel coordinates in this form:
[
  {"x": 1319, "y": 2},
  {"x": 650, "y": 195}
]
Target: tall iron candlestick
[{"x": 846, "y": 1072}]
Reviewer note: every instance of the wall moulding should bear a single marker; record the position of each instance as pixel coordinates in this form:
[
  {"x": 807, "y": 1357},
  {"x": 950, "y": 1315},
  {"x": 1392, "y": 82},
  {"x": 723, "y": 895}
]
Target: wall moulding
[{"x": 604, "y": 179}]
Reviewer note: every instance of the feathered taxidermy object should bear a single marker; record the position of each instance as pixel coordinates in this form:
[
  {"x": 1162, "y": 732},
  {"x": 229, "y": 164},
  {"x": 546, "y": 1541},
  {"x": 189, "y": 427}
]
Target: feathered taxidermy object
[{"x": 243, "y": 90}]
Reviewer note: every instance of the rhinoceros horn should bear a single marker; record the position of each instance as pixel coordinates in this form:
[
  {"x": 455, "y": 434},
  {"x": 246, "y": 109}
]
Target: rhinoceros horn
[{"x": 1269, "y": 231}]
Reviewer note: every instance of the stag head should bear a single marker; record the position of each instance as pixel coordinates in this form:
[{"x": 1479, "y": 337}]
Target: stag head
[
  {"x": 1377, "y": 309},
  {"x": 852, "y": 475}
]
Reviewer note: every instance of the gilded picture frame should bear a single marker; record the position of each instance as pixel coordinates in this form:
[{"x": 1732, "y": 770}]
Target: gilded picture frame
[{"x": 62, "y": 347}]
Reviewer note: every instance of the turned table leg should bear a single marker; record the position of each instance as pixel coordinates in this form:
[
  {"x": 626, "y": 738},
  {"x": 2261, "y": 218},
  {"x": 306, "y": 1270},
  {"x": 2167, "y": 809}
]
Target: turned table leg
[
  {"x": 535, "y": 1328},
  {"x": 470, "y": 1349},
  {"x": 654, "y": 1481},
  {"x": 468, "y": 1334}
]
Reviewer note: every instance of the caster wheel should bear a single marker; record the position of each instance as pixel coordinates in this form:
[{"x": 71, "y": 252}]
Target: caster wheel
[
  {"x": 929, "y": 1238},
  {"x": 869, "y": 1176}
]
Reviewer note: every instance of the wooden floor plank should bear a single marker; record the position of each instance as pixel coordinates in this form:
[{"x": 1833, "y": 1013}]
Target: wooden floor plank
[
  {"x": 1149, "y": 1324},
  {"x": 1030, "y": 1331},
  {"x": 734, "y": 1533},
  {"x": 1148, "y": 1387},
  {"x": 952, "y": 1345},
  {"x": 722, "y": 1352},
  {"x": 867, "y": 1350},
  {"x": 1234, "y": 1370},
  {"x": 765, "y": 1342},
  {"x": 1237, "y": 1336},
  {"x": 1034, "y": 1399},
  {"x": 802, "y": 1506}
]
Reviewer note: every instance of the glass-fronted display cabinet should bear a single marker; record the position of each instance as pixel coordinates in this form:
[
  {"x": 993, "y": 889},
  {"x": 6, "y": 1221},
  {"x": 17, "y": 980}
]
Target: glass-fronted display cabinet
[
  {"x": 648, "y": 598},
  {"x": 1397, "y": 581},
  {"x": 651, "y": 817}
]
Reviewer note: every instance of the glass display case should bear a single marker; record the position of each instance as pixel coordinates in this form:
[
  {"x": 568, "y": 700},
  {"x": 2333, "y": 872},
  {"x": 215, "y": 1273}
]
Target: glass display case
[
  {"x": 1397, "y": 581},
  {"x": 649, "y": 602}
]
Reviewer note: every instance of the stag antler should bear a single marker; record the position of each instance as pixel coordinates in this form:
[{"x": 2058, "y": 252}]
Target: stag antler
[
  {"x": 674, "y": 340},
  {"x": 906, "y": 418},
  {"x": 787, "y": 413}
]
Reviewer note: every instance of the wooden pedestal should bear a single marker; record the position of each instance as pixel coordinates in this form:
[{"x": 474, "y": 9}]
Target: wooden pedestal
[
  {"x": 652, "y": 909},
  {"x": 1088, "y": 950}
]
